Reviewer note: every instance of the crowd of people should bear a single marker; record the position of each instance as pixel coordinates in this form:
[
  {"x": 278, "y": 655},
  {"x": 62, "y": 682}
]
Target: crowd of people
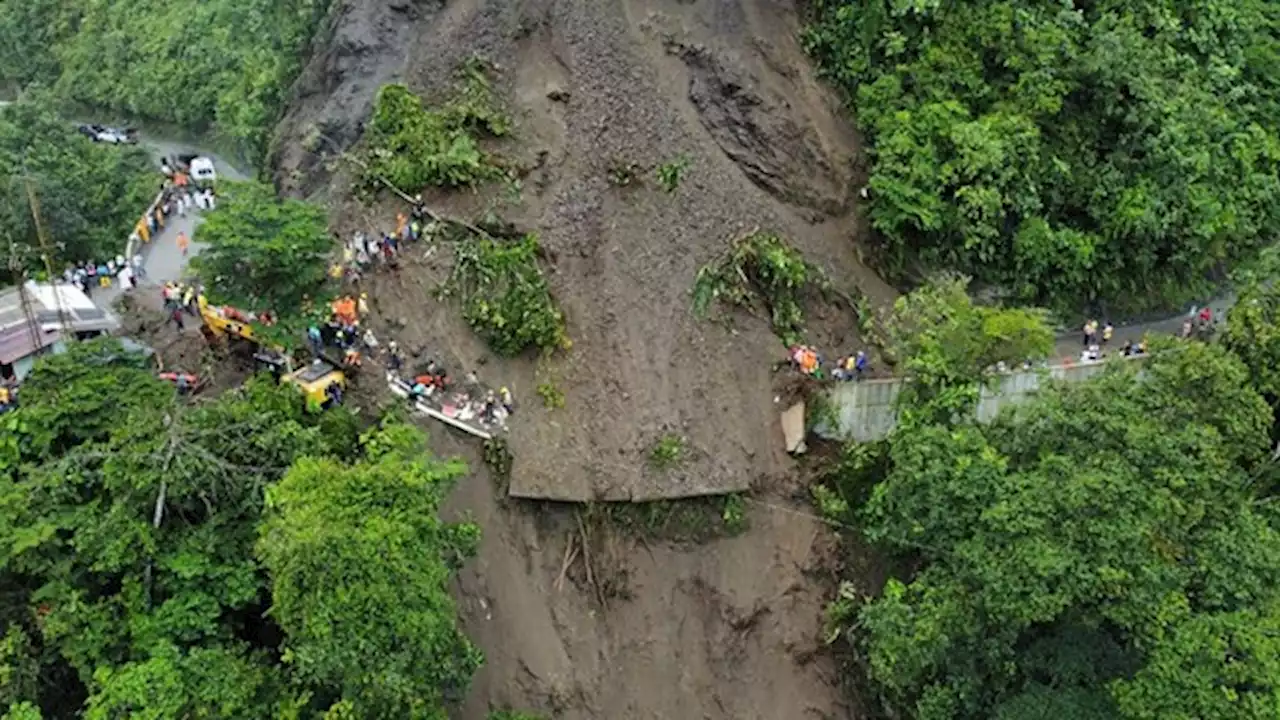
[
  {"x": 365, "y": 252},
  {"x": 807, "y": 361},
  {"x": 177, "y": 197},
  {"x": 89, "y": 274},
  {"x": 428, "y": 381}
]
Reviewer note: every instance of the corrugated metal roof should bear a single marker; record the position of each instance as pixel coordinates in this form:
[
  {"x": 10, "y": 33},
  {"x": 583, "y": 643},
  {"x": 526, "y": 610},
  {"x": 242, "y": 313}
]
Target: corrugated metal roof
[{"x": 78, "y": 310}]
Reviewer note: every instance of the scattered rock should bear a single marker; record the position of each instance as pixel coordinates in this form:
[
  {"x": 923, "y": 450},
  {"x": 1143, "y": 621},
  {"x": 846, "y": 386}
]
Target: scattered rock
[
  {"x": 558, "y": 94},
  {"x": 777, "y": 147}
]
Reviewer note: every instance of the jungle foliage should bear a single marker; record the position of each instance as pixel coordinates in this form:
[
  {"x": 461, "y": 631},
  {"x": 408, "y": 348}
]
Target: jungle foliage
[
  {"x": 168, "y": 560},
  {"x": 761, "y": 270},
  {"x": 945, "y": 345},
  {"x": 1115, "y": 151},
  {"x": 1108, "y": 549},
  {"x": 221, "y": 65},
  {"x": 414, "y": 147},
  {"x": 263, "y": 252},
  {"x": 505, "y": 296},
  {"x": 90, "y": 195}
]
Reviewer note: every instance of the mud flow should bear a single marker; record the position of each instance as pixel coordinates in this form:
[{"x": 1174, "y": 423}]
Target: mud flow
[{"x": 728, "y": 628}]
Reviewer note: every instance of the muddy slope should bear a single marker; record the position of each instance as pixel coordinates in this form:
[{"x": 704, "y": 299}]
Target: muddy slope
[
  {"x": 591, "y": 83},
  {"x": 725, "y": 630}
]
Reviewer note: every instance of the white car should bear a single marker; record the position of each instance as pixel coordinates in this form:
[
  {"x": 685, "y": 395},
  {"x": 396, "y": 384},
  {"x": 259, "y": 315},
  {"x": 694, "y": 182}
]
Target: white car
[{"x": 113, "y": 136}]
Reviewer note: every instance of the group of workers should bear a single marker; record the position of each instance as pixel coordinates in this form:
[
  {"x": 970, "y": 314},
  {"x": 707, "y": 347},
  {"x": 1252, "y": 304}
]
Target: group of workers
[
  {"x": 382, "y": 249},
  {"x": 471, "y": 401},
  {"x": 807, "y": 361},
  {"x": 342, "y": 330},
  {"x": 180, "y": 299}
]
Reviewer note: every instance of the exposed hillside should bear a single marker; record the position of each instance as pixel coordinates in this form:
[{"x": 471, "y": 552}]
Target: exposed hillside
[
  {"x": 729, "y": 629},
  {"x": 591, "y": 87}
]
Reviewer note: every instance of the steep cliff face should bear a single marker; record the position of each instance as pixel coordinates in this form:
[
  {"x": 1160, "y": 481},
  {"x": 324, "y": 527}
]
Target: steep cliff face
[{"x": 591, "y": 84}]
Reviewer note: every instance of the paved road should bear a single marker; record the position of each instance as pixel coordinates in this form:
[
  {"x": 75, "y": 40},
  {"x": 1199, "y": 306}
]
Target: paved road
[
  {"x": 162, "y": 259},
  {"x": 1070, "y": 344}
]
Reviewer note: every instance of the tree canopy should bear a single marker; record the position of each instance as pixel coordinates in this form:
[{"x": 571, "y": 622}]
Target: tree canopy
[
  {"x": 1105, "y": 550},
  {"x": 131, "y": 522},
  {"x": 90, "y": 195},
  {"x": 263, "y": 252},
  {"x": 1116, "y": 150},
  {"x": 359, "y": 583},
  {"x": 223, "y": 65},
  {"x": 943, "y": 344}
]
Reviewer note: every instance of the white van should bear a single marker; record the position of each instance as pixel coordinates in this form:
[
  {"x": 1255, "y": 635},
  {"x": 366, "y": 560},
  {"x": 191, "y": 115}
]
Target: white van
[{"x": 202, "y": 172}]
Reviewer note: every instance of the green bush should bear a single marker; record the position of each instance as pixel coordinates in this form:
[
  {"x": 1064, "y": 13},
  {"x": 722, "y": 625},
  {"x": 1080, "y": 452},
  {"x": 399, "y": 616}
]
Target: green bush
[
  {"x": 761, "y": 268},
  {"x": 1114, "y": 150},
  {"x": 667, "y": 452},
  {"x": 670, "y": 173},
  {"x": 733, "y": 514},
  {"x": 505, "y": 297},
  {"x": 413, "y": 147}
]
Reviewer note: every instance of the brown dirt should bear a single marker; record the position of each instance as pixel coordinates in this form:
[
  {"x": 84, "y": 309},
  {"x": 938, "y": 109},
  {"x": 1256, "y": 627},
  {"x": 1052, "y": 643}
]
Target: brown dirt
[
  {"x": 728, "y": 629},
  {"x": 144, "y": 319},
  {"x": 643, "y": 83}
]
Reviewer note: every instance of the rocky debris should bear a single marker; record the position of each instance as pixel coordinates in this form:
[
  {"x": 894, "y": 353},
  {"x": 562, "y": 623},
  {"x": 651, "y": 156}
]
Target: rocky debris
[
  {"x": 759, "y": 131},
  {"x": 364, "y": 49}
]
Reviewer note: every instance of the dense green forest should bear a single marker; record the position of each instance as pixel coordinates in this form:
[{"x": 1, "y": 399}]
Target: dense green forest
[
  {"x": 224, "y": 65},
  {"x": 233, "y": 558},
  {"x": 1106, "y": 550},
  {"x": 1119, "y": 151},
  {"x": 90, "y": 195}
]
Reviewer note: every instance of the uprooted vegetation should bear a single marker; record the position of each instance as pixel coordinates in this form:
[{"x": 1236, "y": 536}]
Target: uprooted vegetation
[
  {"x": 412, "y": 146},
  {"x": 761, "y": 269},
  {"x": 505, "y": 296},
  {"x": 685, "y": 520}
]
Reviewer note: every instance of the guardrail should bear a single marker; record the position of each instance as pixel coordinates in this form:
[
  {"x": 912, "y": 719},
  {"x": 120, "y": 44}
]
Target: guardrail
[{"x": 130, "y": 249}]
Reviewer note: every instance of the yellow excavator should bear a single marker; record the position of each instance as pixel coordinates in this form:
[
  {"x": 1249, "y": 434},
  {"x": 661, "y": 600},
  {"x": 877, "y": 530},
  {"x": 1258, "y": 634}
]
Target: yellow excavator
[{"x": 228, "y": 325}]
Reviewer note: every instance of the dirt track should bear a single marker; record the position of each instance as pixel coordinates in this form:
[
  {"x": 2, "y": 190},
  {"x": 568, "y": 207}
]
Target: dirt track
[{"x": 729, "y": 629}]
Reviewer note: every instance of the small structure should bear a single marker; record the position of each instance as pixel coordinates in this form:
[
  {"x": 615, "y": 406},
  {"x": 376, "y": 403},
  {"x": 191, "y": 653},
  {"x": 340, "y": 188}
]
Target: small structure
[{"x": 38, "y": 318}]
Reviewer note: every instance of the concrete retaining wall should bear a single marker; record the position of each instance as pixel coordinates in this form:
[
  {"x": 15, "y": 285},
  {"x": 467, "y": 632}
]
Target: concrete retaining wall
[{"x": 867, "y": 411}]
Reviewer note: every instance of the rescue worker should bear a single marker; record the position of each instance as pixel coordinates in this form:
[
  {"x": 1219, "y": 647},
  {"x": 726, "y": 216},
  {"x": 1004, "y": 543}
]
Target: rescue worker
[
  {"x": 315, "y": 340},
  {"x": 860, "y": 364},
  {"x": 508, "y": 403},
  {"x": 1107, "y": 332},
  {"x": 183, "y": 243},
  {"x": 395, "y": 360},
  {"x": 334, "y": 393},
  {"x": 352, "y": 358}
]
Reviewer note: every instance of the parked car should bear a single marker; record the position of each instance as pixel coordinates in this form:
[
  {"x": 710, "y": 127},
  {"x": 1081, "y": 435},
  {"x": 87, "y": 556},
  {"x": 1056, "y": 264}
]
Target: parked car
[{"x": 113, "y": 136}]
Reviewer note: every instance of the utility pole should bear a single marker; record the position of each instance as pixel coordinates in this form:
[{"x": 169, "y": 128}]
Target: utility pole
[
  {"x": 18, "y": 271},
  {"x": 43, "y": 239}
]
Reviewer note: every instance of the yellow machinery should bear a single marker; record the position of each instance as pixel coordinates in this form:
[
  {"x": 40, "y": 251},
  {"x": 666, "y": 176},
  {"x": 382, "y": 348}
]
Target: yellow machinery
[{"x": 313, "y": 379}]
